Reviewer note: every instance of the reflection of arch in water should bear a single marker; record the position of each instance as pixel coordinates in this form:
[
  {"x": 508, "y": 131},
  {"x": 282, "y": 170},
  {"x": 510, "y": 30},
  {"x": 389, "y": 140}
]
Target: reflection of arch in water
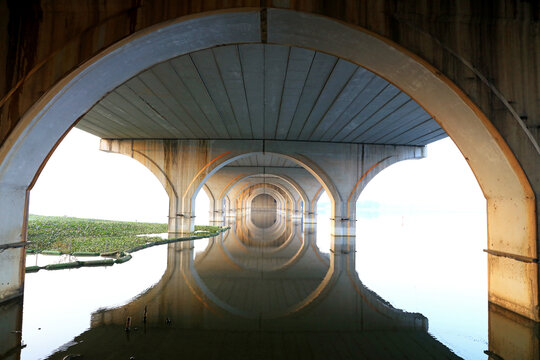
[
  {"x": 264, "y": 202},
  {"x": 295, "y": 246},
  {"x": 286, "y": 233},
  {"x": 263, "y": 239},
  {"x": 185, "y": 294},
  {"x": 265, "y": 218}
]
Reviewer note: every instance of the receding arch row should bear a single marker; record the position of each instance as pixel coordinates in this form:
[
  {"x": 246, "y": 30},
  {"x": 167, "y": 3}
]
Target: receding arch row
[
  {"x": 278, "y": 194},
  {"x": 296, "y": 189},
  {"x": 511, "y": 202}
]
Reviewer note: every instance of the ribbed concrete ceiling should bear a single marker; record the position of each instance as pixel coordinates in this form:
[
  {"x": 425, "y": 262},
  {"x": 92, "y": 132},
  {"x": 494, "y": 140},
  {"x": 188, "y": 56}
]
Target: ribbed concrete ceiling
[
  {"x": 266, "y": 160},
  {"x": 261, "y": 91}
]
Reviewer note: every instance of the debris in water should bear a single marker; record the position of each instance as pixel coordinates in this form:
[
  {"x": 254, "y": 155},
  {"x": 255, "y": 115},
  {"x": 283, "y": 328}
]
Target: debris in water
[
  {"x": 72, "y": 356},
  {"x": 145, "y": 313}
]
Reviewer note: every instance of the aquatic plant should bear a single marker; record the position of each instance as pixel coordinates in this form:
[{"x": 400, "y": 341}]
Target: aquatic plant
[{"x": 68, "y": 235}]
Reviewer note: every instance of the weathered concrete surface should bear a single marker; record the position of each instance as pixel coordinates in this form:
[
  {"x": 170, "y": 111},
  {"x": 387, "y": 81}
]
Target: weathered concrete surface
[
  {"x": 484, "y": 53},
  {"x": 459, "y": 29},
  {"x": 290, "y": 185},
  {"x": 246, "y": 196},
  {"x": 247, "y": 191},
  {"x": 344, "y": 170},
  {"x": 512, "y": 336},
  {"x": 305, "y": 184},
  {"x": 10, "y": 329},
  {"x": 13, "y": 208},
  {"x": 183, "y": 166}
]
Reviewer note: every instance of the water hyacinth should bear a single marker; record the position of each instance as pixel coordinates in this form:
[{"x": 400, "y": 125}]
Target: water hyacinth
[{"x": 71, "y": 235}]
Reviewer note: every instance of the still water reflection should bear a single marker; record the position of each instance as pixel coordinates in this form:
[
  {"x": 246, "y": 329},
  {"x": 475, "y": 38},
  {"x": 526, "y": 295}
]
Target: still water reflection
[{"x": 263, "y": 290}]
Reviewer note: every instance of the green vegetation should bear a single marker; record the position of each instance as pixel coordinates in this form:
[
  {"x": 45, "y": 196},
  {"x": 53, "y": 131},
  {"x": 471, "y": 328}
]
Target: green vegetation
[{"x": 57, "y": 235}]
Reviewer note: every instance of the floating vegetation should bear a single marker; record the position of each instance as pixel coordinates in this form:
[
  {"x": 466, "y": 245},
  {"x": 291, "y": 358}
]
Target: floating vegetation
[
  {"x": 68, "y": 235},
  {"x": 54, "y": 235}
]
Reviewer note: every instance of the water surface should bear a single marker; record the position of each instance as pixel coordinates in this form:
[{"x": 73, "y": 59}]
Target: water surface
[{"x": 271, "y": 288}]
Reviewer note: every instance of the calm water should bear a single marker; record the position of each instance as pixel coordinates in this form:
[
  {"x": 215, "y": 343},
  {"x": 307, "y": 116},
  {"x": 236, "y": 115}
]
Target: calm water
[{"x": 272, "y": 289}]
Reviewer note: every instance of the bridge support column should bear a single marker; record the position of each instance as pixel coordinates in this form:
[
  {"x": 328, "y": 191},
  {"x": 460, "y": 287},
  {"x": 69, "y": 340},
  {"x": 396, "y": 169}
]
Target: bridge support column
[
  {"x": 217, "y": 217},
  {"x": 13, "y": 215},
  {"x": 513, "y": 271},
  {"x": 181, "y": 217},
  {"x": 217, "y": 213},
  {"x": 297, "y": 209},
  {"x": 310, "y": 218},
  {"x": 310, "y": 207},
  {"x": 180, "y": 165},
  {"x": 345, "y": 170},
  {"x": 11, "y": 320},
  {"x": 512, "y": 336}
]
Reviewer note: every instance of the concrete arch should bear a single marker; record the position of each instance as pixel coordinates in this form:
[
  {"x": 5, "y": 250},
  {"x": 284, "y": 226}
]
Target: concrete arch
[
  {"x": 288, "y": 180},
  {"x": 368, "y": 175},
  {"x": 211, "y": 199},
  {"x": 252, "y": 190},
  {"x": 250, "y": 194},
  {"x": 248, "y": 189},
  {"x": 242, "y": 177},
  {"x": 268, "y": 181},
  {"x": 316, "y": 199},
  {"x": 254, "y": 199},
  {"x": 296, "y": 234},
  {"x": 303, "y": 161},
  {"x": 512, "y": 219}
]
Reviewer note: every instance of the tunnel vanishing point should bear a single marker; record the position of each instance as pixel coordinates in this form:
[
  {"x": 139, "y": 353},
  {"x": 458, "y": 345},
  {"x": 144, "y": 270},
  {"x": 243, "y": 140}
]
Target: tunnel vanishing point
[{"x": 299, "y": 96}]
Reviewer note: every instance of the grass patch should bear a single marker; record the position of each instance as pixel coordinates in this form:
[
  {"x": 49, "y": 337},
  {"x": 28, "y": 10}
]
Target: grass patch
[{"x": 69, "y": 235}]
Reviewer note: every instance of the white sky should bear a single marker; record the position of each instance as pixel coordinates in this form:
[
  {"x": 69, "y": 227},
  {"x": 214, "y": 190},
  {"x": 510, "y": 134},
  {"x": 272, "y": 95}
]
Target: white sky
[
  {"x": 81, "y": 181},
  {"x": 441, "y": 181}
]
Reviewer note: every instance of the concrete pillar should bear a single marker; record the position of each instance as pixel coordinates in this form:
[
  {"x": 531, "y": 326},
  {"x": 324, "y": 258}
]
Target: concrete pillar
[
  {"x": 13, "y": 217},
  {"x": 512, "y": 336},
  {"x": 297, "y": 211},
  {"x": 310, "y": 207},
  {"x": 182, "y": 167},
  {"x": 216, "y": 212},
  {"x": 10, "y": 328},
  {"x": 217, "y": 217},
  {"x": 181, "y": 216},
  {"x": 176, "y": 165},
  {"x": 228, "y": 207},
  {"x": 344, "y": 170},
  {"x": 213, "y": 218}
]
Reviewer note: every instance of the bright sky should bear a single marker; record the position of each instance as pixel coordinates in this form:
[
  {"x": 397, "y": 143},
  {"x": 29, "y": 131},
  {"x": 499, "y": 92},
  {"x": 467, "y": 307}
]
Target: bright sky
[
  {"x": 81, "y": 181},
  {"x": 442, "y": 181}
]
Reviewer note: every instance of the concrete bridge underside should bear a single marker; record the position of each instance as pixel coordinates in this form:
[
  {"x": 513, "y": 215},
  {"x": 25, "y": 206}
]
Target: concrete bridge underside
[{"x": 335, "y": 92}]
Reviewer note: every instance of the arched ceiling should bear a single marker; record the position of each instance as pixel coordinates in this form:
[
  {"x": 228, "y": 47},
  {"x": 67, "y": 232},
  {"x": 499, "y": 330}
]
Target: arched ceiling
[
  {"x": 264, "y": 160},
  {"x": 260, "y": 91}
]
